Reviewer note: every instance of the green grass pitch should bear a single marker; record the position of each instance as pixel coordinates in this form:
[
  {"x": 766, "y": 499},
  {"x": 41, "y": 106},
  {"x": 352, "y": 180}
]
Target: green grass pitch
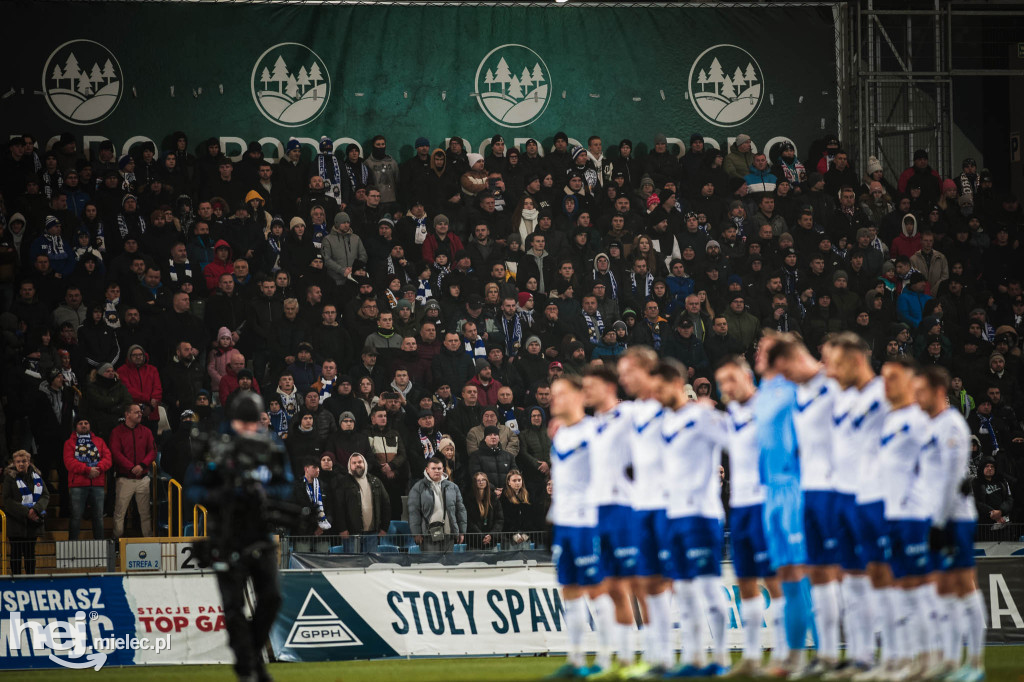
[{"x": 1003, "y": 663}]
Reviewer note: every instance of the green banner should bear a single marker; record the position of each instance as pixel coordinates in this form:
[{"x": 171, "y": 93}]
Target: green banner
[{"x": 131, "y": 72}]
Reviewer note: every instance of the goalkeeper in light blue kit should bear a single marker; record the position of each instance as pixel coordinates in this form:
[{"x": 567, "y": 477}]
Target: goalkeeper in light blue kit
[{"x": 779, "y": 466}]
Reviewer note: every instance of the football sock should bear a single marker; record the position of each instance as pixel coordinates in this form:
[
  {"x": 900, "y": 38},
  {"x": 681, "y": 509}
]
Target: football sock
[
  {"x": 780, "y": 645},
  {"x": 717, "y": 608},
  {"x": 825, "y": 600},
  {"x": 752, "y": 612},
  {"x": 688, "y": 600},
  {"x": 604, "y": 620}
]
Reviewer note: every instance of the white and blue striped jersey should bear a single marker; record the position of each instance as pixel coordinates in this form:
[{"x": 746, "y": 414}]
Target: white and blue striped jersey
[
  {"x": 866, "y": 417},
  {"x": 815, "y": 403},
  {"x": 906, "y": 460},
  {"x": 745, "y": 488},
  {"x": 610, "y": 457},
  {"x": 694, "y": 437},
  {"x": 953, "y": 440},
  {"x": 650, "y": 489},
  {"x": 845, "y": 462},
  {"x": 571, "y": 466}
]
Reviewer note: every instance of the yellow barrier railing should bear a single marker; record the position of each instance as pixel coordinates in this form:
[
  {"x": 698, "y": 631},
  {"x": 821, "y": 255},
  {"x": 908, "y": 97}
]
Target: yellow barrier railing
[
  {"x": 171, "y": 485},
  {"x": 5, "y": 568},
  {"x": 195, "y": 520}
]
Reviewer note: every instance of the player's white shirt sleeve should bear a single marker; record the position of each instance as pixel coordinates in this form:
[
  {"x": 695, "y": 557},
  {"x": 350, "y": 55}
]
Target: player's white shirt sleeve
[
  {"x": 846, "y": 471},
  {"x": 868, "y": 415},
  {"x": 650, "y": 490},
  {"x": 905, "y": 446},
  {"x": 693, "y": 439},
  {"x": 571, "y": 504},
  {"x": 611, "y": 457},
  {"x": 812, "y": 418},
  {"x": 953, "y": 440},
  {"x": 745, "y": 487}
]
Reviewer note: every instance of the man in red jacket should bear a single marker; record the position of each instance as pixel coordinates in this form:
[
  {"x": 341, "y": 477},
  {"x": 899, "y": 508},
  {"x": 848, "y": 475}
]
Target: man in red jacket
[
  {"x": 143, "y": 383},
  {"x": 134, "y": 452},
  {"x": 87, "y": 458}
]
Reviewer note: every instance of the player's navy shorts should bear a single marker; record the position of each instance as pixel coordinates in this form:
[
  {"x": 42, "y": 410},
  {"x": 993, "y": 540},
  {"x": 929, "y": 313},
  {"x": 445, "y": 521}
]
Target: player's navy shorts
[
  {"x": 576, "y": 553},
  {"x": 961, "y": 554},
  {"x": 618, "y": 542},
  {"x": 851, "y": 554},
  {"x": 873, "y": 532},
  {"x": 820, "y": 527},
  {"x": 650, "y": 532},
  {"x": 910, "y": 555},
  {"x": 784, "y": 524},
  {"x": 696, "y": 547},
  {"x": 749, "y": 547}
]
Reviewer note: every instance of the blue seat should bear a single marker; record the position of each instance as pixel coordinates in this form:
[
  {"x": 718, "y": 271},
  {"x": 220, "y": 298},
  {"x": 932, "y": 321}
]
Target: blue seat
[
  {"x": 415, "y": 549},
  {"x": 387, "y": 549},
  {"x": 339, "y": 549},
  {"x": 399, "y": 528},
  {"x": 188, "y": 531},
  {"x": 459, "y": 548}
]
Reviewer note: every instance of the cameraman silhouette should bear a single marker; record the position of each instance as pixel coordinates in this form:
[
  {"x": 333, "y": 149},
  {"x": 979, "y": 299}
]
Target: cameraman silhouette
[{"x": 242, "y": 479}]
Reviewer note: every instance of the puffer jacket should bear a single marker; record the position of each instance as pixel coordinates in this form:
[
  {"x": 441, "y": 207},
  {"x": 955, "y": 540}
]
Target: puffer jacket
[
  {"x": 493, "y": 463},
  {"x": 213, "y": 271}
]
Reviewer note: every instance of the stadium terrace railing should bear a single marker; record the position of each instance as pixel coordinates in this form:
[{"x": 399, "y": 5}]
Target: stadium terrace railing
[
  {"x": 171, "y": 486},
  {"x": 406, "y": 543}
]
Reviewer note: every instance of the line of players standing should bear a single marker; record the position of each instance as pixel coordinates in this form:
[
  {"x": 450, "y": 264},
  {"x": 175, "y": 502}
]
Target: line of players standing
[{"x": 848, "y": 500}]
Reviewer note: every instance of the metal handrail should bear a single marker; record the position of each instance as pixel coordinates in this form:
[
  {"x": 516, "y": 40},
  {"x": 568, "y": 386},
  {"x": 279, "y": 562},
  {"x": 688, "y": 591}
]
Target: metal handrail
[
  {"x": 5, "y": 569},
  {"x": 171, "y": 485},
  {"x": 154, "y": 496},
  {"x": 195, "y": 520}
]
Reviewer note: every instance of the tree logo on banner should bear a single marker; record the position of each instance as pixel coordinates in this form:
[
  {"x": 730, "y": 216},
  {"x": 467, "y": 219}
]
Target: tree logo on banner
[
  {"x": 513, "y": 85},
  {"x": 82, "y": 82},
  {"x": 726, "y": 85},
  {"x": 290, "y": 84}
]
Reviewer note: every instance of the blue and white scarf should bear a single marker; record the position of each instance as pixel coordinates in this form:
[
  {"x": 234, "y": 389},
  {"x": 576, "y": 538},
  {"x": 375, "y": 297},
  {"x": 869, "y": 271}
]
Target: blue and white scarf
[
  {"x": 475, "y": 350},
  {"x": 423, "y": 292},
  {"x": 29, "y": 496},
  {"x": 595, "y": 327},
  {"x": 317, "y": 498},
  {"x": 648, "y": 282},
  {"x": 319, "y": 232},
  {"x": 513, "y": 334},
  {"x": 86, "y": 451},
  {"x": 329, "y": 169}
]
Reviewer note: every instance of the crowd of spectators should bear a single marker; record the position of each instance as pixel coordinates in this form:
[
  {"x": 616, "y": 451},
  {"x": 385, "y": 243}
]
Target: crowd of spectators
[{"x": 390, "y": 313}]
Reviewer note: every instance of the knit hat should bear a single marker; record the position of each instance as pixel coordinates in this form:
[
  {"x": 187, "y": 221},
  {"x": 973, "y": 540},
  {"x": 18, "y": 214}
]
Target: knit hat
[
  {"x": 104, "y": 367},
  {"x": 523, "y": 297},
  {"x": 474, "y": 159},
  {"x": 696, "y": 137},
  {"x": 132, "y": 348},
  {"x": 515, "y": 237},
  {"x": 920, "y": 154},
  {"x": 422, "y": 142},
  {"x": 341, "y": 218},
  {"x": 660, "y": 139},
  {"x": 440, "y": 218},
  {"x": 646, "y": 180},
  {"x": 576, "y": 151},
  {"x": 346, "y": 415},
  {"x": 292, "y": 144},
  {"x": 712, "y": 242},
  {"x": 532, "y": 339},
  {"x": 52, "y": 221},
  {"x": 874, "y": 165},
  {"x": 326, "y": 144},
  {"x": 491, "y": 431},
  {"x": 445, "y": 442},
  {"x": 222, "y": 332},
  {"x": 619, "y": 324},
  {"x": 742, "y": 138},
  {"x": 124, "y": 161},
  {"x": 839, "y": 274},
  {"x": 948, "y": 184},
  {"x": 561, "y": 136}
]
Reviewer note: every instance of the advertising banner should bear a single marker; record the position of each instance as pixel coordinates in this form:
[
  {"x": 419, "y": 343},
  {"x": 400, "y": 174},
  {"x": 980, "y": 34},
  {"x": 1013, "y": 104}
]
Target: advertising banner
[
  {"x": 268, "y": 72},
  {"x": 92, "y": 622},
  {"x": 1002, "y": 582}
]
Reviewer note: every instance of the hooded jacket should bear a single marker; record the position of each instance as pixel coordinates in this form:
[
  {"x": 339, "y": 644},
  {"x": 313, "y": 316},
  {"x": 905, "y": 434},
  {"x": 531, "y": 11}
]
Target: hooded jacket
[
  {"x": 421, "y": 505},
  {"x": 142, "y": 382},
  {"x": 213, "y": 270},
  {"x": 909, "y": 241},
  {"x": 736, "y": 164}
]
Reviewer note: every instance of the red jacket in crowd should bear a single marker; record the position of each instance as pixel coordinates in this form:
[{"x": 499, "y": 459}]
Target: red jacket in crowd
[
  {"x": 78, "y": 472},
  {"x": 215, "y": 269},
  {"x": 130, "y": 447},
  {"x": 143, "y": 383}
]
